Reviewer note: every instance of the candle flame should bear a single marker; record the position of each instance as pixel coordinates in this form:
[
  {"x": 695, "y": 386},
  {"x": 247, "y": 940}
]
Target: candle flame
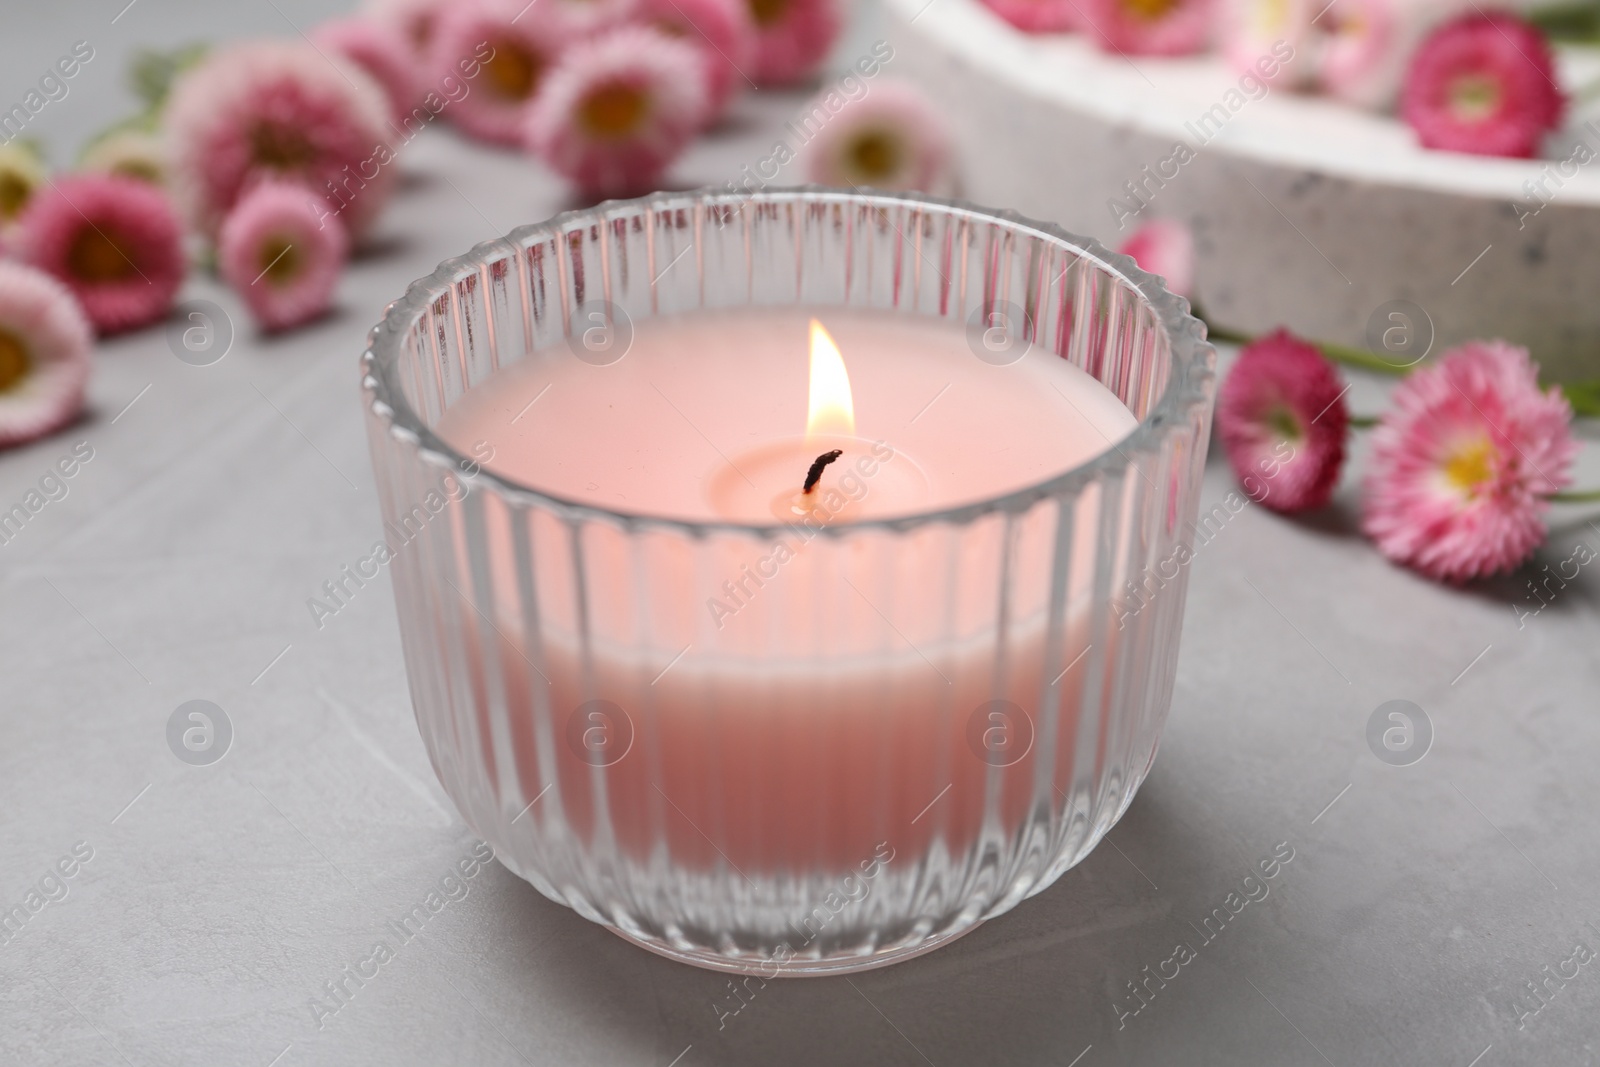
[{"x": 832, "y": 411}]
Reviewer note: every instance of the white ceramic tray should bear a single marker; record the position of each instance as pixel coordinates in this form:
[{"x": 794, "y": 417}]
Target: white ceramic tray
[{"x": 1307, "y": 213}]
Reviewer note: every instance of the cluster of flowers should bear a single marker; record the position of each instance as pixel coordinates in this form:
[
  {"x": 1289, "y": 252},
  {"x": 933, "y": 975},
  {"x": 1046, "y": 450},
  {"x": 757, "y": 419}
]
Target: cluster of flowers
[
  {"x": 1464, "y": 78},
  {"x": 606, "y": 92},
  {"x": 609, "y": 92},
  {"x": 276, "y": 156},
  {"x": 1463, "y": 464}
]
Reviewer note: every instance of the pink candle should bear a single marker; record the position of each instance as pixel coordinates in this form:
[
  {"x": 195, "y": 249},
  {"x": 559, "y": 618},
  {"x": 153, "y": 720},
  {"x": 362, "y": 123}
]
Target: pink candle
[{"x": 721, "y": 417}]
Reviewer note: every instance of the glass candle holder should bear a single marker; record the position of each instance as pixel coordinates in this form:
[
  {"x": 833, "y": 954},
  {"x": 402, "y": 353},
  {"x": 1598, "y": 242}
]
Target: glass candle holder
[{"x": 849, "y": 777}]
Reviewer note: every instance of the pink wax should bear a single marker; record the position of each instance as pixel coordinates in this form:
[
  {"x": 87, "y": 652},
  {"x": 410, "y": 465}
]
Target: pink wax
[
  {"x": 706, "y": 394},
  {"x": 767, "y": 702}
]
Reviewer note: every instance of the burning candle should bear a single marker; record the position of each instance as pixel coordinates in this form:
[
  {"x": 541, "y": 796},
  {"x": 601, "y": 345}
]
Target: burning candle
[{"x": 812, "y": 626}]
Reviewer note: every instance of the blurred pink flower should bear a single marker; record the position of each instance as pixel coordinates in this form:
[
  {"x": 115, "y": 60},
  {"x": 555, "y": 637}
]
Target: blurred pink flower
[
  {"x": 1485, "y": 84},
  {"x": 793, "y": 37},
  {"x": 619, "y": 109},
  {"x": 1037, "y": 16},
  {"x": 277, "y": 110},
  {"x": 1149, "y": 27},
  {"x": 723, "y": 32},
  {"x": 115, "y": 242},
  {"x": 379, "y": 49},
  {"x": 1365, "y": 46},
  {"x": 413, "y": 19},
  {"x": 513, "y": 52},
  {"x": 1463, "y": 461},
  {"x": 1273, "y": 39},
  {"x": 281, "y": 256},
  {"x": 1362, "y": 53},
  {"x": 1283, "y": 422},
  {"x": 44, "y": 354},
  {"x": 1164, "y": 247},
  {"x": 891, "y": 138}
]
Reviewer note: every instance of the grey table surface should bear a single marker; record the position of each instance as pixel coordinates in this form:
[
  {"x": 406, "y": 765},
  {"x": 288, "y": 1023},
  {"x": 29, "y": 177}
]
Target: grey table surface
[{"x": 1422, "y": 907}]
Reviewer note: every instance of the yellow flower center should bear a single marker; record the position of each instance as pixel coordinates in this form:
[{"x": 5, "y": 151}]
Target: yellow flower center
[
  {"x": 95, "y": 257},
  {"x": 766, "y": 12},
  {"x": 1269, "y": 16},
  {"x": 280, "y": 147},
  {"x": 279, "y": 261},
  {"x": 874, "y": 156},
  {"x": 1281, "y": 419},
  {"x": 1352, "y": 25},
  {"x": 14, "y": 361},
  {"x": 513, "y": 71},
  {"x": 614, "y": 110},
  {"x": 1469, "y": 468},
  {"x": 1474, "y": 97},
  {"x": 1149, "y": 10},
  {"x": 14, "y": 194}
]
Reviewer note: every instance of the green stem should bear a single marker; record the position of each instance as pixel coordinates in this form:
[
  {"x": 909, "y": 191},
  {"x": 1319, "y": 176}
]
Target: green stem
[
  {"x": 1583, "y": 396},
  {"x": 1232, "y": 337},
  {"x": 1363, "y": 422},
  {"x": 1360, "y": 357},
  {"x": 1575, "y": 22},
  {"x": 1586, "y": 496},
  {"x": 1355, "y": 357}
]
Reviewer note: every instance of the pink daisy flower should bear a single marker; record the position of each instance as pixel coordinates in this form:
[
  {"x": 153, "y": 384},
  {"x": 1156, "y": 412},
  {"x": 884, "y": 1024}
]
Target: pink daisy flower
[
  {"x": 44, "y": 354},
  {"x": 891, "y": 138},
  {"x": 1164, "y": 247},
  {"x": 619, "y": 109},
  {"x": 414, "y": 20},
  {"x": 1363, "y": 49},
  {"x": 1273, "y": 39},
  {"x": 379, "y": 49},
  {"x": 276, "y": 253},
  {"x": 1149, "y": 27},
  {"x": 1483, "y": 84},
  {"x": 1463, "y": 461},
  {"x": 270, "y": 109},
  {"x": 115, "y": 242},
  {"x": 514, "y": 52},
  {"x": 1283, "y": 422},
  {"x": 1037, "y": 16},
  {"x": 724, "y": 33},
  {"x": 793, "y": 37}
]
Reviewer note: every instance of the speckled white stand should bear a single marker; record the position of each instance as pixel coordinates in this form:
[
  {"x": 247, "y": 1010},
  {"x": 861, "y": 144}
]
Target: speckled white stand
[{"x": 1307, "y": 213}]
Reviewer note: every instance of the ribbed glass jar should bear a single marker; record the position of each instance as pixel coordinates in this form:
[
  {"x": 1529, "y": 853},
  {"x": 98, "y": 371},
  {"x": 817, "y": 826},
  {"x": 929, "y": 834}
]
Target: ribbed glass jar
[{"x": 741, "y": 810}]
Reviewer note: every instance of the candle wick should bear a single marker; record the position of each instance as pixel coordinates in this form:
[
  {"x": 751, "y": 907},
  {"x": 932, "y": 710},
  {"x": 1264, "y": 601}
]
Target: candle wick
[{"x": 814, "y": 475}]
